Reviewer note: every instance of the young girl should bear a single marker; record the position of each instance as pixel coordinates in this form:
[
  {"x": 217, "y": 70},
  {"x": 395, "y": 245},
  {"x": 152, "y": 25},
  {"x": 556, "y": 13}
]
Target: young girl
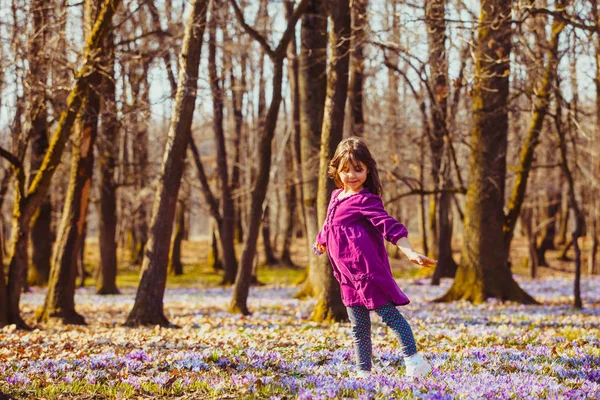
[{"x": 352, "y": 235}]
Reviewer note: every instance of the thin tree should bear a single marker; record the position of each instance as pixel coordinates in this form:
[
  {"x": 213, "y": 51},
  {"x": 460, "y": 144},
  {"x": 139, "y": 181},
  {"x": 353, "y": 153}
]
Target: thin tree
[
  {"x": 41, "y": 225},
  {"x": 227, "y": 218},
  {"x": 312, "y": 87},
  {"x": 574, "y": 204},
  {"x": 483, "y": 271},
  {"x": 148, "y": 308},
  {"x": 259, "y": 189},
  {"x": 106, "y": 280},
  {"x": 360, "y": 22},
  {"x": 175, "y": 266}
]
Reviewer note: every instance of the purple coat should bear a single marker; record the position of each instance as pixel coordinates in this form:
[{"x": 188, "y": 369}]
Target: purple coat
[{"x": 353, "y": 233}]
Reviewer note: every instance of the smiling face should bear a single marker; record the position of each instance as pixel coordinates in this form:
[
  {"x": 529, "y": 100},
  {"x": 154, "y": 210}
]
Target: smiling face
[{"x": 352, "y": 176}]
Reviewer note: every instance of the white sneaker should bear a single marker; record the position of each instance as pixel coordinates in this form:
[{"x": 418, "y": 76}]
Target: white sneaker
[
  {"x": 416, "y": 366},
  {"x": 363, "y": 374}
]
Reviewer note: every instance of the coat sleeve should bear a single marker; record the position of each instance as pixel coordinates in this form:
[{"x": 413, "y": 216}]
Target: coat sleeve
[
  {"x": 323, "y": 232},
  {"x": 392, "y": 230}
]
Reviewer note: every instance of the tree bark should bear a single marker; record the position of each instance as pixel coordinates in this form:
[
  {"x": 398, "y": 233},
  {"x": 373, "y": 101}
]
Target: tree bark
[
  {"x": 270, "y": 258},
  {"x": 293, "y": 78},
  {"x": 357, "y": 65},
  {"x": 227, "y": 219},
  {"x": 329, "y": 305},
  {"x": 289, "y": 207},
  {"x": 549, "y": 209},
  {"x": 141, "y": 90},
  {"x": 41, "y": 228},
  {"x": 483, "y": 271},
  {"x": 148, "y": 307},
  {"x": 438, "y": 82},
  {"x": 28, "y": 202},
  {"x": 106, "y": 282},
  {"x": 243, "y": 280},
  {"x": 175, "y": 265},
  {"x": 312, "y": 86},
  {"x": 577, "y": 212}
]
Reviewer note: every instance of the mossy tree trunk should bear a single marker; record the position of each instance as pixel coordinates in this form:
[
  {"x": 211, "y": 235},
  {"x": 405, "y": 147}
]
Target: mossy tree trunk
[
  {"x": 148, "y": 307},
  {"x": 329, "y": 305},
  {"x": 542, "y": 102},
  {"x": 27, "y": 202},
  {"x": 106, "y": 282},
  {"x": 312, "y": 85},
  {"x": 259, "y": 190},
  {"x": 483, "y": 271},
  {"x": 41, "y": 225}
]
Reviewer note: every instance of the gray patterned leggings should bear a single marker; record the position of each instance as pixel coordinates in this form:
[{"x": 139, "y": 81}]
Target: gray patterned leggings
[{"x": 361, "y": 330}]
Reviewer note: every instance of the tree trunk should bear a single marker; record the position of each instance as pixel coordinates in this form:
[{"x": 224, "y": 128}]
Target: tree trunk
[
  {"x": 483, "y": 271},
  {"x": 217, "y": 265},
  {"x": 227, "y": 220},
  {"x": 270, "y": 258},
  {"x": 148, "y": 307},
  {"x": 41, "y": 229},
  {"x": 359, "y": 38},
  {"x": 593, "y": 267},
  {"x": 238, "y": 91},
  {"x": 289, "y": 207},
  {"x": 175, "y": 265},
  {"x": 293, "y": 78},
  {"x": 563, "y": 222},
  {"x": 141, "y": 89},
  {"x": 438, "y": 82},
  {"x": 329, "y": 305},
  {"x": 259, "y": 190},
  {"x": 549, "y": 210},
  {"x": 446, "y": 266},
  {"x": 106, "y": 282},
  {"x": 577, "y": 213},
  {"x": 527, "y": 218},
  {"x": 312, "y": 85},
  {"x": 28, "y": 202}
]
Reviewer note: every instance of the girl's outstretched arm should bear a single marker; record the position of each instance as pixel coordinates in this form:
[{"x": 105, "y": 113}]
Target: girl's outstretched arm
[{"x": 412, "y": 255}]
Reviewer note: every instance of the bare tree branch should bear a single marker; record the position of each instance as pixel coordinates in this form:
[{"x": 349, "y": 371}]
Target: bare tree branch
[{"x": 14, "y": 160}]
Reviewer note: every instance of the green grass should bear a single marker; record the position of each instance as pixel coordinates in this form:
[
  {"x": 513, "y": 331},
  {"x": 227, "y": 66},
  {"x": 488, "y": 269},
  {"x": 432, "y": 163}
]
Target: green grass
[{"x": 197, "y": 269}]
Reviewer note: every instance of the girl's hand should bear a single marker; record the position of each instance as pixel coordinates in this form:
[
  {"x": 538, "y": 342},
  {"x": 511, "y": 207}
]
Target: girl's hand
[
  {"x": 420, "y": 259},
  {"x": 319, "y": 249}
]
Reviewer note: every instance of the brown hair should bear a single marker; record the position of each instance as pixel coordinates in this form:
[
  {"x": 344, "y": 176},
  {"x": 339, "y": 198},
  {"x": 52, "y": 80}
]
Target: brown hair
[{"x": 354, "y": 150}]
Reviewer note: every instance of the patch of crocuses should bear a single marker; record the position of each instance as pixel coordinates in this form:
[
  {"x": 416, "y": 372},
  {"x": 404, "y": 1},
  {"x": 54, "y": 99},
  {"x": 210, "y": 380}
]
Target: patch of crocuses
[{"x": 493, "y": 350}]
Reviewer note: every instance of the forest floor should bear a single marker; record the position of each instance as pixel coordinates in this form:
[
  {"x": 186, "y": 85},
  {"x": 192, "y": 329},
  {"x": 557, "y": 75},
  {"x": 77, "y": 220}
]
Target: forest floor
[{"x": 492, "y": 350}]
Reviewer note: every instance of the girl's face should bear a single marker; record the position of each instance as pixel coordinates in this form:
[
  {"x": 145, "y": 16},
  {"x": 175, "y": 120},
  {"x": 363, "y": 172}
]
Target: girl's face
[{"x": 353, "y": 177}]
